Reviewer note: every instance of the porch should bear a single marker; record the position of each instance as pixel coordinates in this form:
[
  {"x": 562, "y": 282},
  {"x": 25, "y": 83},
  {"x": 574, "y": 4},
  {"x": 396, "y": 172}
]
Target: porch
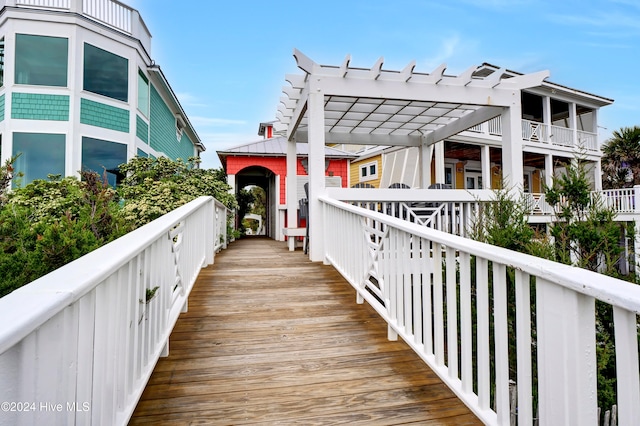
[{"x": 271, "y": 337}]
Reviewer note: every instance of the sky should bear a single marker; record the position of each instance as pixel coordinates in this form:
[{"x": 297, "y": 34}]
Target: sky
[{"x": 227, "y": 60}]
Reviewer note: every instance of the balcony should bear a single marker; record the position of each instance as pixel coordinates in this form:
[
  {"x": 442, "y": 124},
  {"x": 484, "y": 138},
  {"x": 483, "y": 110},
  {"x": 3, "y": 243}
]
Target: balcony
[
  {"x": 541, "y": 133},
  {"x": 111, "y": 13}
]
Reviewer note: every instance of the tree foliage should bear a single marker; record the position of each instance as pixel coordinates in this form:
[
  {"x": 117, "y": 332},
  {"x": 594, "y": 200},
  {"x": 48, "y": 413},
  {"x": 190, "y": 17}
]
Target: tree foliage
[
  {"x": 621, "y": 160},
  {"x": 154, "y": 187},
  {"x": 49, "y": 223}
]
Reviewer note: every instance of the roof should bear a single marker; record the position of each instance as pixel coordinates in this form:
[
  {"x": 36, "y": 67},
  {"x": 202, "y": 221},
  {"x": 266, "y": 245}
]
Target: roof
[
  {"x": 277, "y": 147},
  {"x": 487, "y": 69}
]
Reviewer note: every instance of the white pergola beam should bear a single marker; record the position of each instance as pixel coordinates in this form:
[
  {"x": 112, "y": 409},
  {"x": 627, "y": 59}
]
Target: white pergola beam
[
  {"x": 302, "y": 136},
  {"x": 476, "y": 117},
  {"x": 411, "y": 90}
]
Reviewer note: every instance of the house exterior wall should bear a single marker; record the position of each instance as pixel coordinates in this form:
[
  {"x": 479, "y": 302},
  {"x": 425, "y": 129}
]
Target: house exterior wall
[
  {"x": 72, "y": 112},
  {"x": 278, "y": 166},
  {"x": 355, "y": 171}
]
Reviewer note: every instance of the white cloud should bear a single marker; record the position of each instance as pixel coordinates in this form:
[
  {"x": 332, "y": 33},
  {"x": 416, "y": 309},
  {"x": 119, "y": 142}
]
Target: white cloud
[{"x": 187, "y": 99}]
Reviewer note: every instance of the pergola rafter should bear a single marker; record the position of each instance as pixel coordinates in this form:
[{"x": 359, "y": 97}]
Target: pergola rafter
[{"x": 374, "y": 106}]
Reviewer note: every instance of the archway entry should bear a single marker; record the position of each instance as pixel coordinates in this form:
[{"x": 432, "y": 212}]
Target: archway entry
[{"x": 267, "y": 180}]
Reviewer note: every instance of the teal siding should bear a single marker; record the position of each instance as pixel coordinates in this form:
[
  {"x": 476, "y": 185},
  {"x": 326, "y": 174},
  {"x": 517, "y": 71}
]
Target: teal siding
[
  {"x": 34, "y": 106},
  {"x": 142, "y": 129},
  {"x": 105, "y": 116},
  {"x": 163, "y": 130},
  {"x": 2, "y": 108}
]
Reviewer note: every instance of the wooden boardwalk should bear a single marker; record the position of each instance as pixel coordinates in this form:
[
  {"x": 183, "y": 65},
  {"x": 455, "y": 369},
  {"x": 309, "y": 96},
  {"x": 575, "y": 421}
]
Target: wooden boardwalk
[{"x": 271, "y": 338}]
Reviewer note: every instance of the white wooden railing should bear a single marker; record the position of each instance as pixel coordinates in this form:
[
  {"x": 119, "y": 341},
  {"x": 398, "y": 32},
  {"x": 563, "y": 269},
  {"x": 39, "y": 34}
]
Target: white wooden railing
[
  {"x": 448, "y": 210},
  {"x": 78, "y": 345},
  {"x": 622, "y": 200},
  {"x": 534, "y": 131},
  {"x": 113, "y": 13},
  {"x": 427, "y": 285}
]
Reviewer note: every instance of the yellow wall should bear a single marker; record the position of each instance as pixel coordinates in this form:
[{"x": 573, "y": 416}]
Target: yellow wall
[
  {"x": 354, "y": 171},
  {"x": 460, "y": 183},
  {"x": 536, "y": 183}
]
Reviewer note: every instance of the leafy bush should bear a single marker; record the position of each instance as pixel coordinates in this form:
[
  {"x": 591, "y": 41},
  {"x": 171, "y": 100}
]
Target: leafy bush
[
  {"x": 50, "y": 223},
  {"x": 154, "y": 187}
]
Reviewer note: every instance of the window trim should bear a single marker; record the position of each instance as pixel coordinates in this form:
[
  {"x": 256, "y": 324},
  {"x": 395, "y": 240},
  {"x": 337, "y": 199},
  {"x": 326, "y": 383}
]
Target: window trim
[
  {"x": 146, "y": 113},
  {"x": 366, "y": 167}
]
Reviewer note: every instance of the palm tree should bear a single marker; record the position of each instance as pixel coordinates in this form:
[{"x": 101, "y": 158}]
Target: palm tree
[{"x": 621, "y": 160}]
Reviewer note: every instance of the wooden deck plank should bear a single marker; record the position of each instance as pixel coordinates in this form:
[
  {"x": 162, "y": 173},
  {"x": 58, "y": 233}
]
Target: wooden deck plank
[{"x": 271, "y": 338}]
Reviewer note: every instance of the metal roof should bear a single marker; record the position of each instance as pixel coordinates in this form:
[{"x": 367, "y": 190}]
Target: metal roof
[{"x": 277, "y": 147}]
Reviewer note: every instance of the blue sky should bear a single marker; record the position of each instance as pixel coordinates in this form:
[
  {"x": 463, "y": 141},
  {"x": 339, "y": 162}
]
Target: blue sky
[{"x": 227, "y": 60}]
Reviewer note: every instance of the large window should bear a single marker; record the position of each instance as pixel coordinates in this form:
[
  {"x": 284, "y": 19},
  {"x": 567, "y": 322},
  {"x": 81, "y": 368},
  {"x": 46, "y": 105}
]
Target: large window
[
  {"x": 105, "y": 73},
  {"x": 41, "y": 60},
  {"x": 41, "y": 154},
  {"x": 2, "y": 61},
  {"x": 143, "y": 94},
  {"x": 104, "y": 157}
]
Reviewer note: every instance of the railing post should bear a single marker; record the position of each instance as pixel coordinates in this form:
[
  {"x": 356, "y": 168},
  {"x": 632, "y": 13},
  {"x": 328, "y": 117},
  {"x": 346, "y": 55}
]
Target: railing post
[
  {"x": 225, "y": 218},
  {"x": 567, "y": 388},
  {"x": 209, "y": 226}
]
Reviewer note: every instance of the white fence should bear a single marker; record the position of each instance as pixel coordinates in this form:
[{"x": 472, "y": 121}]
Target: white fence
[
  {"x": 78, "y": 345},
  {"x": 448, "y": 210},
  {"x": 110, "y": 12},
  {"x": 456, "y": 302}
]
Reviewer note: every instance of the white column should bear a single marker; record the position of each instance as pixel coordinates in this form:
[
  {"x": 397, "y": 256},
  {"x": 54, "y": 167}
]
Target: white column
[
  {"x": 291, "y": 191},
  {"x": 597, "y": 178},
  {"x": 548, "y": 170},
  {"x": 426, "y": 154},
  {"x": 485, "y": 159},
  {"x": 439, "y": 160},
  {"x": 546, "y": 117},
  {"x": 512, "y": 146},
  {"x": 573, "y": 123},
  {"x": 231, "y": 181},
  {"x": 315, "y": 113}
]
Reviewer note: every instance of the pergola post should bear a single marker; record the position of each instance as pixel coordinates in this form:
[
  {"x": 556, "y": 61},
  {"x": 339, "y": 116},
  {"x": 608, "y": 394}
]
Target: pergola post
[
  {"x": 439, "y": 160},
  {"x": 316, "y": 174},
  {"x": 291, "y": 191},
  {"x": 512, "y": 147},
  {"x": 426, "y": 154},
  {"x": 485, "y": 159}
]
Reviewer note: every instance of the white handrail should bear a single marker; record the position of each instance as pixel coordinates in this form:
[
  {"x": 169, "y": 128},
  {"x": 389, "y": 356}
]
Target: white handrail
[
  {"x": 78, "y": 345},
  {"x": 425, "y": 279}
]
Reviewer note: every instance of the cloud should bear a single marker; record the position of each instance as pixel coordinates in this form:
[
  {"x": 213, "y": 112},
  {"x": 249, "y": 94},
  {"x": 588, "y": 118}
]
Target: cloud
[
  {"x": 187, "y": 99},
  {"x": 448, "y": 49}
]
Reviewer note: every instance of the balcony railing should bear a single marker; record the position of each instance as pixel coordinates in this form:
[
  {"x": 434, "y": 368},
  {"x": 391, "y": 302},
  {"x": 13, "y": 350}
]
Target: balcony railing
[
  {"x": 533, "y": 131},
  {"x": 467, "y": 310},
  {"x": 110, "y": 12},
  {"x": 87, "y": 336}
]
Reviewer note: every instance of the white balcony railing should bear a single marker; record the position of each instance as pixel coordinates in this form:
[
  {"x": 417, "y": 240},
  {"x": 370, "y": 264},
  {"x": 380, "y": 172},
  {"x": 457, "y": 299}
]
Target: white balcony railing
[
  {"x": 463, "y": 305},
  {"x": 110, "y": 12},
  {"x": 86, "y": 337},
  {"x": 533, "y": 131}
]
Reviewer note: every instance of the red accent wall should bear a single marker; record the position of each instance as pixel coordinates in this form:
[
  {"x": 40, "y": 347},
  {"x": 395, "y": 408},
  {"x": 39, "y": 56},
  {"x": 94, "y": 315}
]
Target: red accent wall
[{"x": 278, "y": 165}]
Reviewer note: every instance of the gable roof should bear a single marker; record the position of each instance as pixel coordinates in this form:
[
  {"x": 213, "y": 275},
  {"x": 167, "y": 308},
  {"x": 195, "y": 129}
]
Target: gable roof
[{"x": 277, "y": 147}]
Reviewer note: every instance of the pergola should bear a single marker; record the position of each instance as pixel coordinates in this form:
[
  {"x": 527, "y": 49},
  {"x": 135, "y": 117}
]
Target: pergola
[{"x": 371, "y": 106}]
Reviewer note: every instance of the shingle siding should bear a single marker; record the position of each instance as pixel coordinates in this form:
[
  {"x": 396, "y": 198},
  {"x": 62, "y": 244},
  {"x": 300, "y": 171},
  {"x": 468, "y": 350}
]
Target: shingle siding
[
  {"x": 142, "y": 129},
  {"x": 163, "y": 130},
  {"x": 105, "y": 116},
  {"x": 36, "y": 106}
]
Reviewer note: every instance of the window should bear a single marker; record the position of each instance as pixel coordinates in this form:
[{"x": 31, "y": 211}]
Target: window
[
  {"x": 104, "y": 157},
  {"x": 105, "y": 73},
  {"x": 143, "y": 94},
  {"x": 369, "y": 171},
  {"x": 41, "y": 60},
  {"x": 41, "y": 154},
  {"x": 2, "y": 61}
]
